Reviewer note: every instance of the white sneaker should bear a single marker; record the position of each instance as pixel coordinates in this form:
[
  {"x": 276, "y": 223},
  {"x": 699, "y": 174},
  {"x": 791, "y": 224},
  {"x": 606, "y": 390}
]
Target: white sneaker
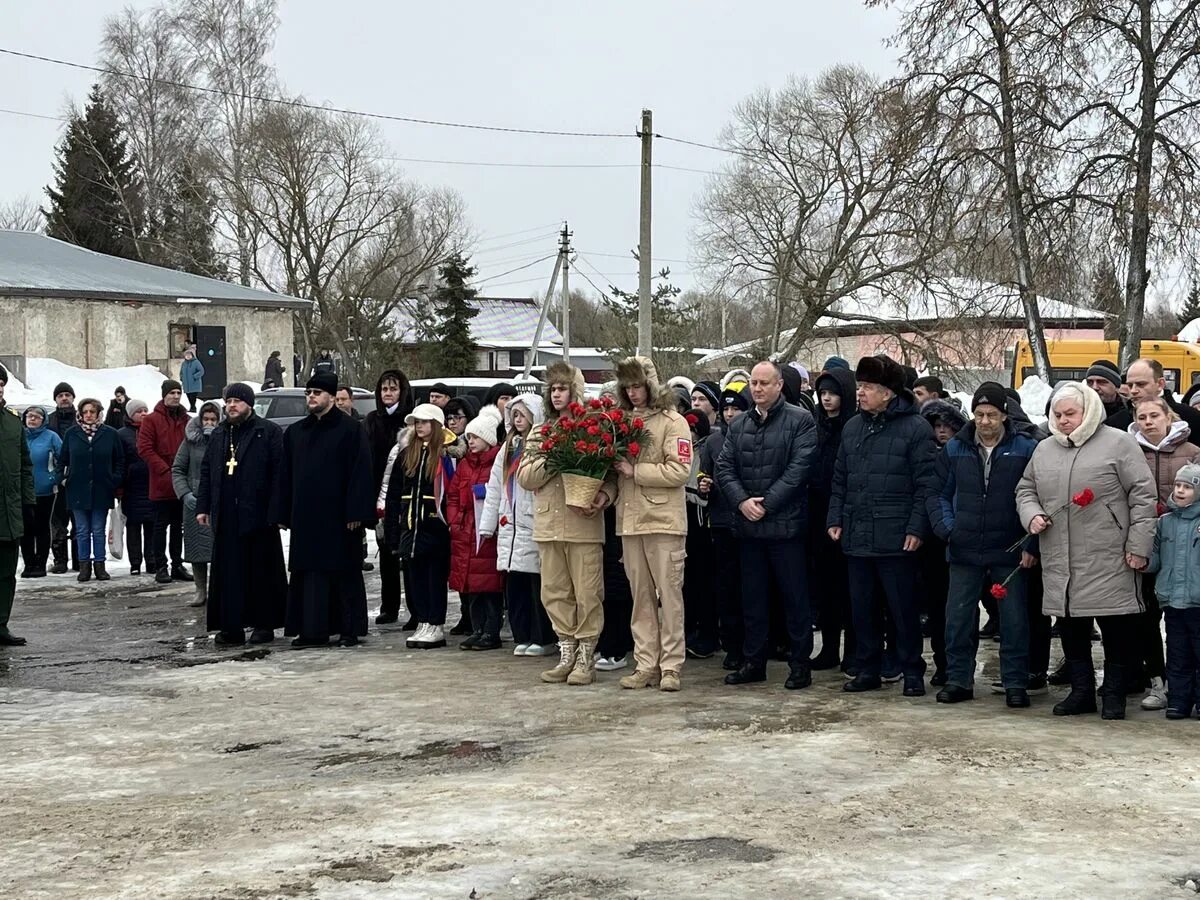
[
  {"x": 417, "y": 640},
  {"x": 541, "y": 649},
  {"x": 611, "y": 663},
  {"x": 435, "y": 636},
  {"x": 520, "y": 649},
  {"x": 1157, "y": 698}
]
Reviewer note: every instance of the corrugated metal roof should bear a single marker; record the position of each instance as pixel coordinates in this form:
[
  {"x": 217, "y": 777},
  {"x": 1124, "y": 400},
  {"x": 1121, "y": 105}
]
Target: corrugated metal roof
[
  {"x": 501, "y": 321},
  {"x": 34, "y": 265}
]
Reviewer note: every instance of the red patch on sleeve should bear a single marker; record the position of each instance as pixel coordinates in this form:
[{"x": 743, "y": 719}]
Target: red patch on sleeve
[{"x": 685, "y": 450}]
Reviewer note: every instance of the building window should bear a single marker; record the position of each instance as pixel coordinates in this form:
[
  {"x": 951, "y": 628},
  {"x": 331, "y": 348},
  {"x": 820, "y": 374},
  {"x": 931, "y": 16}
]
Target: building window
[
  {"x": 180, "y": 337},
  {"x": 516, "y": 359}
]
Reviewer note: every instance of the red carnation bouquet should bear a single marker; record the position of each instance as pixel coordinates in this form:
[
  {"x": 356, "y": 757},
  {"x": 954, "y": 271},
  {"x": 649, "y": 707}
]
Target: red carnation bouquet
[
  {"x": 1084, "y": 498},
  {"x": 583, "y": 443}
]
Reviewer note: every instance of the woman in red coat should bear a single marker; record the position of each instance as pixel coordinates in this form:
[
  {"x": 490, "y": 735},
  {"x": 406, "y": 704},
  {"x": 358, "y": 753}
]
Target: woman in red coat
[{"x": 473, "y": 560}]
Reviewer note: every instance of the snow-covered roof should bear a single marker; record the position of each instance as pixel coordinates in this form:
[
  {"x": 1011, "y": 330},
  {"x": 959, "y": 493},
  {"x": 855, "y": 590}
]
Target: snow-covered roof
[
  {"x": 948, "y": 298},
  {"x": 34, "y": 265},
  {"x": 502, "y": 322}
]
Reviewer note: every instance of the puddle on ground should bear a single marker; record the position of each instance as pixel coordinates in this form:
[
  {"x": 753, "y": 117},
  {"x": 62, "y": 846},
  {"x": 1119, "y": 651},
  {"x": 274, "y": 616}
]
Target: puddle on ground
[
  {"x": 723, "y": 849},
  {"x": 433, "y": 754},
  {"x": 246, "y": 748}
]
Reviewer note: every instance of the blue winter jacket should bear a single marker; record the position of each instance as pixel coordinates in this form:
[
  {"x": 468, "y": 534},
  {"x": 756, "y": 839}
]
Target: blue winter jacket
[
  {"x": 881, "y": 477},
  {"x": 1176, "y": 557},
  {"x": 45, "y": 447},
  {"x": 191, "y": 376},
  {"x": 979, "y": 523}
]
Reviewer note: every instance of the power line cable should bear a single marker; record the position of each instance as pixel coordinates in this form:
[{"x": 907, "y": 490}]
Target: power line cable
[
  {"x": 517, "y": 269},
  {"x": 300, "y": 104}
]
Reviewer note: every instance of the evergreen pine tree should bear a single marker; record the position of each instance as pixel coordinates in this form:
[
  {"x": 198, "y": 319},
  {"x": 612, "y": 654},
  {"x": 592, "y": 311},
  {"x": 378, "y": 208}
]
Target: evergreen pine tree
[
  {"x": 184, "y": 239},
  {"x": 453, "y": 351},
  {"x": 96, "y": 200},
  {"x": 1191, "y": 307}
]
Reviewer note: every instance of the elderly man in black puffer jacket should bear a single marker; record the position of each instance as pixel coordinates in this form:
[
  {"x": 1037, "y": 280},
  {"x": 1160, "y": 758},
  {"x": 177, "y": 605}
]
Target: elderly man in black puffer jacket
[
  {"x": 883, "y": 473},
  {"x": 763, "y": 471}
]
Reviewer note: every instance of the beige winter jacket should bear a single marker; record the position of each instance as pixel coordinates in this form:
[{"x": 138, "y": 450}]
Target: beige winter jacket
[
  {"x": 553, "y": 520},
  {"x": 653, "y": 500},
  {"x": 1083, "y": 551}
]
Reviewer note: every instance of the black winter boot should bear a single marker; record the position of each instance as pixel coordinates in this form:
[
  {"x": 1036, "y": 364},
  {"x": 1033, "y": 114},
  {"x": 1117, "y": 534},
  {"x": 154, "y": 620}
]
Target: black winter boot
[
  {"x": 1061, "y": 675},
  {"x": 1082, "y": 698},
  {"x": 101, "y": 575},
  {"x": 85, "y": 572},
  {"x": 1112, "y": 705}
]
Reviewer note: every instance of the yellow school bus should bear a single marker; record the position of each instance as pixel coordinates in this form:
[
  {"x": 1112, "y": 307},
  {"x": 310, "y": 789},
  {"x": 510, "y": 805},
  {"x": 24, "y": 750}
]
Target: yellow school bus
[{"x": 1071, "y": 360}]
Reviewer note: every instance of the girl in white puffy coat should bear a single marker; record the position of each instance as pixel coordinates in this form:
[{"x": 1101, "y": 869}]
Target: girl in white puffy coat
[{"x": 508, "y": 514}]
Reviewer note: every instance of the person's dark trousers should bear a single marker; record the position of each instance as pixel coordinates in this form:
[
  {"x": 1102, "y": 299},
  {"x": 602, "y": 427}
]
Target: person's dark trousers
[
  {"x": 192, "y": 398},
  {"x": 140, "y": 541},
  {"x": 935, "y": 587},
  {"x": 784, "y": 562},
  {"x": 727, "y": 580},
  {"x": 389, "y": 582},
  {"x": 35, "y": 545},
  {"x": 61, "y": 525},
  {"x": 616, "y": 637},
  {"x": 1119, "y": 633},
  {"x": 699, "y": 594},
  {"x": 8, "y": 580},
  {"x": 962, "y": 625},
  {"x": 487, "y": 612},
  {"x": 429, "y": 577},
  {"x": 830, "y": 592},
  {"x": 1039, "y": 625},
  {"x": 1150, "y": 642},
  {"x": 526, "y": 616},
  {"x": 897, "y": 578},
  {"x": 168, "y": 514},
  {"x": 1183, "y": 658}
]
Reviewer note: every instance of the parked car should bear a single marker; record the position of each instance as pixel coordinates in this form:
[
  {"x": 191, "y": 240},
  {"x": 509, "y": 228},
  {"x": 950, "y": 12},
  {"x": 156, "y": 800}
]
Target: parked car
[
  {"x": 476, "y": 387},
  {"x": 286, "y": 406}
]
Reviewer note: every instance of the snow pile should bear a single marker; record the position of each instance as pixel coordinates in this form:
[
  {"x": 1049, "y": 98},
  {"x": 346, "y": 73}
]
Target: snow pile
[
  {"x": 1190, "y": 333},
  {"x": 140, "y": 382},
  {"x": 1035, "y": 394}
]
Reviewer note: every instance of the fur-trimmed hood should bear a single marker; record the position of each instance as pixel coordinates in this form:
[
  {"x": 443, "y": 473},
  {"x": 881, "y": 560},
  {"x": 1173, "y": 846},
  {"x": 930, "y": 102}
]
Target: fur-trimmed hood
[
  {"x": 560, "y": 372},
  {"x": 637, "y": 370},
  {"x": 193, "y": 432},
  {"x": 934, "y": 411}
]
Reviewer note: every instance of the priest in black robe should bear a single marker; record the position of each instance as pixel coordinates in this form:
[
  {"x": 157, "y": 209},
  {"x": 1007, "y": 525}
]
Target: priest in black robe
[
  {"x": 326, "y": 498},
  {"x": 239, "y": 477}
]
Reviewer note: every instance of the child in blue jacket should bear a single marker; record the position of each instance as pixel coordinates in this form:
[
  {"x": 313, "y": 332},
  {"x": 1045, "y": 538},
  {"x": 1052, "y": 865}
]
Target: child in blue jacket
[{"x": 1176, "y": 559}]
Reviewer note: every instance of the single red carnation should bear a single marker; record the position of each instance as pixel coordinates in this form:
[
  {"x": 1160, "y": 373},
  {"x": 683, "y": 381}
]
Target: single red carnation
[
  {"x": 634, "y": 448},
  {"x": 576, "y": 409},
  {"x": 638, "y": 423},
  {"x": 581, "y": 446},
  {"x": 691, "y": 419},
  {"x": 624, "y": 428},
  {"x": 545, "y": 429},
  {"x": 593, "y": 430},
  {"x": 504, "y": 520},
  {"x": 615, "y": 415},
  {"x": 564, "y": 421},
  {"x": 606, "y": 401},
  {"x": 594, "y": 403},
  {"x": 999, "y": 591},
  {"x": 546, "y": 445},
  {"x": 592, "y": 448},
  {"x": 1084, "y": 497},
  {"x": 606, "y": 437},
  {"x": 610, "y": 451}
]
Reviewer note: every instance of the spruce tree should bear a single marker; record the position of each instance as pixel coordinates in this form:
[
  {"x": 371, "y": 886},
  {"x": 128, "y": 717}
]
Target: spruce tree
[
  {"x": 96, "y": 200},
  {"x": 184, "y": 239},
  {"x": 453, "y": 352},
  {"x": 1191, "y": 307}
]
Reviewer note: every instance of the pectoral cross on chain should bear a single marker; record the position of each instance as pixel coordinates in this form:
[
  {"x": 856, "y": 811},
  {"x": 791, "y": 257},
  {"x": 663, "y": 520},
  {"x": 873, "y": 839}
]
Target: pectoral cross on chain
[{"x": 232, "y": 463}]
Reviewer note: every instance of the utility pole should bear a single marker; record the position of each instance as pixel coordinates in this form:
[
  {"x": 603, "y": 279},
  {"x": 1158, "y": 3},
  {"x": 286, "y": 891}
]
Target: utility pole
[
  {"x": 564, "y": 254},
  {"x": 645, "y": 338},
  {"x": 532, "y": 356}
]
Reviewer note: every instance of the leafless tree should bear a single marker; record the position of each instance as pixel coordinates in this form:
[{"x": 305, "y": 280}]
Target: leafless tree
[
  {"x": 837, "y": 184},
  {"x": 328, "y": 221},
  {"x": 22, "y": 214}
]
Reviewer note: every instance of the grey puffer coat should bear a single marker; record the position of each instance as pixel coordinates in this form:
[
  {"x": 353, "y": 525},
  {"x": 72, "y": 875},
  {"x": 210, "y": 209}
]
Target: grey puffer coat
[
  {"x": 185, "y": 478},
  {"x": 772, "y": 458},
  {"x": 1083, "y": 551}
]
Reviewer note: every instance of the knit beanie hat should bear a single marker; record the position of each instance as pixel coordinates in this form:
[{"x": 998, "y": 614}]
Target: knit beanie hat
[
  {"x": 1189, "y": 474},
  {"x": 239, "y": 391},
  {"x": 733, "y": 396},
  {"x": 1102, "y": 368},
  {"x": 835, "y": 362},
  {"x": 992, "y": 394},
  {"x": 63, "y": 388},
  {"x": 133, "y": 407},
  {"x": 799, "y": 368},
  {"x": 170, "y": 385},
  {"x": 485, "y": 425},
  {"x": 710, "y": 390}
]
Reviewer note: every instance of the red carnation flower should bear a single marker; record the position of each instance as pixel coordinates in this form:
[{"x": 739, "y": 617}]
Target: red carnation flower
[
  {"x": 624, "y": 428},
  {"x": 545, "y": 429},
  {"x": 504, "y": 520},
  {"x": 1084, "y": 497},
  {"x": 638, "y": 423},
  {"x": 692, "y": 419},
  {"x": 606, "y": 401},
  {"x": 610, "y": 451},
  {"x": 634, "y": 448},
  {"x": 576, "y": 409},
  {"x": 607, "y": 438},
  {"x": 546, "y": 445},
  {"x": 594, "y": 403},
  {"x": 593, "y": 430},
  {"x": 592, "y": 448},
  {"x": 999, "y": 591},
  {"x": 615, "y": 415},
  {"x": 564, "y": 421},
  {"x": 581, "y": 446},
  {"x": 1161, "y": 508}
]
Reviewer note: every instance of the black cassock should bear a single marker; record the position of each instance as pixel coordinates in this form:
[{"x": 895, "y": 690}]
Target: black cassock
[
  {"x": 248, "y": 584},
  {"x": 325, "y": 484}
]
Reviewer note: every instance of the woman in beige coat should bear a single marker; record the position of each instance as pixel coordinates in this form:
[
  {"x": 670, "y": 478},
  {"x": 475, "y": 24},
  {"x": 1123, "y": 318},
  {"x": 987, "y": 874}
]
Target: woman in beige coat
[{"x": 1091, "y": 554}]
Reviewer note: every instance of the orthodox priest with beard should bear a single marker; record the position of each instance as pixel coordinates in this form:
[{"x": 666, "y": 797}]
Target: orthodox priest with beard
[
  {"x": 325, "y": 496},
  {"x": 238, "y": 478}
]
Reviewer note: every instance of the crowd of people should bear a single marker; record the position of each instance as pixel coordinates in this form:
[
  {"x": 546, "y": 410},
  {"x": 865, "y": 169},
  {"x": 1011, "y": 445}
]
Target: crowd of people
[{"x": 863, "y": 508}]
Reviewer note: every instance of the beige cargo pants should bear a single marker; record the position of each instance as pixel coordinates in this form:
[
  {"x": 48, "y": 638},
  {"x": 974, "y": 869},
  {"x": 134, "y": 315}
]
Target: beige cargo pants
[
  {"x": 573, "y": 588},
  {"x": 654, "y": 565}
]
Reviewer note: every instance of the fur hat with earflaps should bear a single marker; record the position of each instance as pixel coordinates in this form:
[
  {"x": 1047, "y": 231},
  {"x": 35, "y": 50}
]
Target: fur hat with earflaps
[
  {"x": 881, "y": 370},
  {"x": 637, "y": 370},
  {"x": 561, "y": 372}
]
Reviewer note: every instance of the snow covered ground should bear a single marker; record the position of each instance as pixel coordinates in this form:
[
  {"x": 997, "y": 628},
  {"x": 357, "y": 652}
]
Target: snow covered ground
[{"x": 42, "y": 375}]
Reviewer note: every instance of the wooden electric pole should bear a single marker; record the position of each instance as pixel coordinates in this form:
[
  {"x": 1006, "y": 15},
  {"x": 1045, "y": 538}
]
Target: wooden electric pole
[
  {"x": 645, "y": 344},
  {"x": 564, "y": 254}
]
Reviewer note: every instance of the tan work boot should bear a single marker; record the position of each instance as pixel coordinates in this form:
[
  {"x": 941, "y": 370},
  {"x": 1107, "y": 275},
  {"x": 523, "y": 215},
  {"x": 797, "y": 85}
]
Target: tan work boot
[
  {"x": 640, "y": 679},
  {"x": 670, "y": 681},
  {"x": 566, "y": 662},
  {"x": 585, "y": 664}
]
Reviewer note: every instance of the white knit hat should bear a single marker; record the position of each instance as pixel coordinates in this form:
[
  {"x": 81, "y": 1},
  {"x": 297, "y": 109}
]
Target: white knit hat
[
  {"x": 486, "y": 425},
  {"x": 426, "y": 412}
]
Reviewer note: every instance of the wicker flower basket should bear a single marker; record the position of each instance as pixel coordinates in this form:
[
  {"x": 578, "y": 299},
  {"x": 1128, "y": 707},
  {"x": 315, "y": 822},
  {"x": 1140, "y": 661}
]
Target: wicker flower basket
[{"x": 580, "y": 489}]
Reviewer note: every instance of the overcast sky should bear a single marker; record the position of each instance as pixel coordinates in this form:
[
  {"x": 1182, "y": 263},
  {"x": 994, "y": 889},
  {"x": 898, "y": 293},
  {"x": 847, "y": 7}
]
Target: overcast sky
[{"x": 532, "y": 64}]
